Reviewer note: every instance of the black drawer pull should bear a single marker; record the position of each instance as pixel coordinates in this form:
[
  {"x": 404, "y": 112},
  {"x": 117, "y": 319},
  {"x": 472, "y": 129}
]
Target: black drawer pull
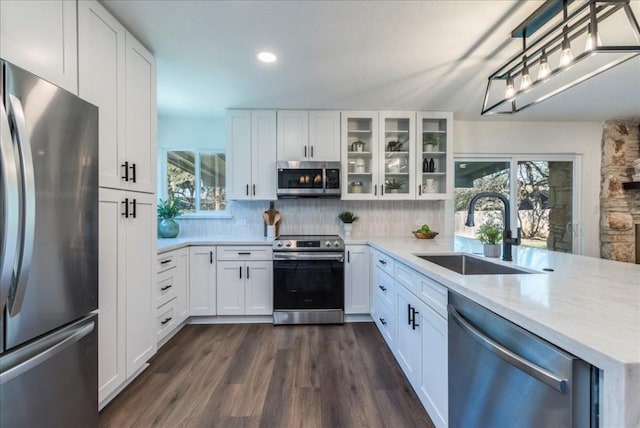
[
  {"x": 166, "y": 287},
  {"x": 382, "y": 288},
  {"x": 125, "y": 214},
  {"x": 382, "y": 321},
  {"x": 382, "y": 262},
  {"x": 164, "y": 262},
  {"x": 126, "y": 171},
  {"x": 210, "y": 257},
  {"x": 166, "y": 320},
  {"x": 246, "y": 253}
]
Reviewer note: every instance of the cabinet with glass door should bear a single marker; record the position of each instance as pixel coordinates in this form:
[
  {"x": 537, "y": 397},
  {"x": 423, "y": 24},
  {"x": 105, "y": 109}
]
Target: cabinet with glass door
[
  {"x": 397, "y": 146},
  {"x": 359, "y": 155},
  {"x": 434, "y": 155}
]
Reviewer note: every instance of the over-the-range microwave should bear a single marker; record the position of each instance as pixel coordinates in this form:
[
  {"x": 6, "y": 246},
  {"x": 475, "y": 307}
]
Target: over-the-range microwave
[{"x": 302, "y": 179}]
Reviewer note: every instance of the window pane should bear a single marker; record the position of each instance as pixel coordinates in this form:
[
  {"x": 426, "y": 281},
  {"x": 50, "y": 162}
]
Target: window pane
[
  {"x": 181, "y": 178},
  {"x": 545, "y": 195},
  {"x": 212, "y": 182},
  {"x": 471, "y": 178}
]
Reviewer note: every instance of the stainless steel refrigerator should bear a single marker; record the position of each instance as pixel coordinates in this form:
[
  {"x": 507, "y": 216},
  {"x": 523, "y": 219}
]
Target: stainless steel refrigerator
[{"x": 49, "y": 254}]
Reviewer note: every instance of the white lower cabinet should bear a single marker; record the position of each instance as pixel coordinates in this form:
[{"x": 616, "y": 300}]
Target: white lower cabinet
[
  {"x": 126, "y": 333},
  {"x": 202, "y": 280},
  {"x": 244, "y": 284},
  {"x": 356, "y": 280},
  {"x": 171, "y": 291},
  {"x": 408, "y": 346}
]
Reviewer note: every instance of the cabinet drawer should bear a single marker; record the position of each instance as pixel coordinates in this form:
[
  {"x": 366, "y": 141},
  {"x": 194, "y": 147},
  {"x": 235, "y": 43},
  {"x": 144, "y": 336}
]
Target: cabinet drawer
[
  {"x": 166, "y": 261},
  {"x": 385, "y": 321},
  {"x": 166, "y": 319},
  {"x": 408, "y": 278},
  {"x": 384, "y": 262},
  {"x": 245, "y": 253},
  {"x": 384, "y": 288},
  {"x": 166, "y": 286},
  {"x": 434, "y": 294}
]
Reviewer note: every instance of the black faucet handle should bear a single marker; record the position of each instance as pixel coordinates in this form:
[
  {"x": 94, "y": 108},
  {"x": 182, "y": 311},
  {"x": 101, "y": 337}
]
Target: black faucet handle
[{"x": 517, "y": 239}]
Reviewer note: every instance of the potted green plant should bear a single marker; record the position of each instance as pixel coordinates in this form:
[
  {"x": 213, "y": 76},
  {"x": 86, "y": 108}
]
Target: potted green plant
[
  {"x": 392, "y": 185},
  {"x": 347, "y": 218},
  {"x": 167, "y": 212},
  {"x": 491, "y": 236},
  {"x": 430, "y": 142}
]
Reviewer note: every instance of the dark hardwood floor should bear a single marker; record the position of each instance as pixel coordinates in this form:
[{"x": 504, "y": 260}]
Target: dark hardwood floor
[{"x": 258, "y": 375}]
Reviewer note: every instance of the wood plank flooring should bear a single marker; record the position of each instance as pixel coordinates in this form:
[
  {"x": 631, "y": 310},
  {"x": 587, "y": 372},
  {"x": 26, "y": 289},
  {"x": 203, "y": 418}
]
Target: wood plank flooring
[{"x": 258, "y": 375}]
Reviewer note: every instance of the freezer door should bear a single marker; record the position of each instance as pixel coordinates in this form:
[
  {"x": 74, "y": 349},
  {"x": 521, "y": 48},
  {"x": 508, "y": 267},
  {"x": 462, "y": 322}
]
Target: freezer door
[
  {"x": 55, "y": 135},
  {"x": 52, "y": 382}
]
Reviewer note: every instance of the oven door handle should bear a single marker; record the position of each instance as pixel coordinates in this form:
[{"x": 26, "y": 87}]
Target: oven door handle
[{"x": 313, "y": 256}]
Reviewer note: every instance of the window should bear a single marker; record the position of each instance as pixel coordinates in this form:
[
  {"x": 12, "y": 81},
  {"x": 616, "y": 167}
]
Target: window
[
  {"x": 541, "y": 190},
  {"x": 197, "y": 178}
]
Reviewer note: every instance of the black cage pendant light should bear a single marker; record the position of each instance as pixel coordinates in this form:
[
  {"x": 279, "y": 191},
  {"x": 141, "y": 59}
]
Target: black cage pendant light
[{"x": 577, "y": 45}]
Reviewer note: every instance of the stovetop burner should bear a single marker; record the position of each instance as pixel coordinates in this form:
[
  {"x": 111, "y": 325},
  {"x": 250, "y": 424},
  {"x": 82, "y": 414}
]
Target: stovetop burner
[{"x": 308, "y": 243}]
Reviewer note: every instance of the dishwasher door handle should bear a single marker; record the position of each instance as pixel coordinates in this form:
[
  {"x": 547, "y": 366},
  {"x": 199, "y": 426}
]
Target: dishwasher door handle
[{"x": 508, "y": 356}]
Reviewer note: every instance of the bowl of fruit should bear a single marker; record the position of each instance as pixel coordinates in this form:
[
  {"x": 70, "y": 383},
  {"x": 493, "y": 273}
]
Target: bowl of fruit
[{"x": 425, "y": 232}]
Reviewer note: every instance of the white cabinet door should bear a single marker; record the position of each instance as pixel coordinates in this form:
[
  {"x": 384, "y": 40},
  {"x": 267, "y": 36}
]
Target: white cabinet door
[
  {"x": 112, "y": 370},
  {"x": 238, "y": 173},
  {"x": 263, "y": 154},
  {"x": 357, "y": 286},
  {"x": 433, "y": 389},
  {"x": 324, "y": 135},
  {"x": 359, "y": 155},
  {"x": 41, "y": 37},
  {"x": 396, "y": 164},
  {"x": 434, "y": 155},
  {"x": 293, "y": 135},
  {"x": 231, "y": 277},
  {"x": 140, "y": 96},
  {"x": 101, "y": 60},
  {"x": 140, "y": 276},
  {"x": 202, "y": 280},
  {"x": 408, "y": 339},
  {"x": 182, "y": 284},
  {"x": 259, "y": 288}
]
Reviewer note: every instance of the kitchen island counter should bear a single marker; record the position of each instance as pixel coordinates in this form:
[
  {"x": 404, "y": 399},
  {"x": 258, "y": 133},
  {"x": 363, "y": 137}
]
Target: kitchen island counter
[{"x": 587, "y": 306}]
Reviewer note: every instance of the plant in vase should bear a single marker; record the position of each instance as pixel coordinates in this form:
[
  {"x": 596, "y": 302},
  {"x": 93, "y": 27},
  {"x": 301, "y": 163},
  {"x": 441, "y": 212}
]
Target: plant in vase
[
  {"x": 430, "y": 143},
  {"x": 347, "y": 218},
  {"x": 491, "y": 236},
  {"x": 167, "y": 212},
  {"x": 392, "y": 185}
]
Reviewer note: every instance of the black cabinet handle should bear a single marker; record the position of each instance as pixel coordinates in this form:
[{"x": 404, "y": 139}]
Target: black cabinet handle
[
  {"x": 254, "y": 190},
  {"x": 133, "y": 172},
  {"x": 382, "y": 321},
  {"x": 240, "y": 269},
  {"x": 382, "y": 262},
  {"x": 125, "y": 214},
  {"x": 382, "y": 288},
  {"x": 247, "y": 272},
  {"x": 166, "y": 320},
  {"x": 375, "y": 190},
  {"x": 126, "y": 171},
  {"x": 166, "y": 287},
  {"x": 419, "y": 190},
  {"x": 245, "y": 253},
  {"x": 413, "y": 321},
  {"x": 211, "y": 257},
  {"x": 409, "y": 314},
  {"x": 348, "y": 256},
  {"x": 164, "y": 262},
  {"x": 247, "y": 190},
  {"x": 382, "y": 190},
  {"x": 311, "y": 151},
  {"x": 305, "y": 151},
  {"x": 133, "y": 210}
]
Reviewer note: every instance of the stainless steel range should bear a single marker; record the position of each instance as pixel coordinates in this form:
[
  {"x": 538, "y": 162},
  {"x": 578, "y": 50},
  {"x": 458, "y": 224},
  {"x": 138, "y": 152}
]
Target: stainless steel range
[{"x": 308, "y": 280}]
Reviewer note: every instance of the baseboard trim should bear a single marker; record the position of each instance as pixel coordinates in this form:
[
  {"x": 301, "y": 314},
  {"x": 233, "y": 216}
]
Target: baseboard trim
[{"x": 258, "y": 319}]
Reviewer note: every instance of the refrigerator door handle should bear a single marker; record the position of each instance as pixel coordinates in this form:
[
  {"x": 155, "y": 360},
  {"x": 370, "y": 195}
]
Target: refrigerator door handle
[
  {"x": 29, "y": 204},
  {"x": 11, "y": 208},
  {"x": 69, "y": 339}
]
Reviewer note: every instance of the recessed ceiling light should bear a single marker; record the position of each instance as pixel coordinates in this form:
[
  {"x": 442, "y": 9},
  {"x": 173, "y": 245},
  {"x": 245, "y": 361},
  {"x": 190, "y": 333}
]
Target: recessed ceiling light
[{"x": 267, "y": 57}]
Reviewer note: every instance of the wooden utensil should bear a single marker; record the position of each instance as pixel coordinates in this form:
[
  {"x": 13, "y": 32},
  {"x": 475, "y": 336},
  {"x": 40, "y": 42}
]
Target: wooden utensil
[
  {"x": 276, "y": 217},
  {"x": 271, "y": 213}
]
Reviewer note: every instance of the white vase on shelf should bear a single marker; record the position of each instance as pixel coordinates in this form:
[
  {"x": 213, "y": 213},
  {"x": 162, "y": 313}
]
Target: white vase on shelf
[{"x": 347, "y": 229}]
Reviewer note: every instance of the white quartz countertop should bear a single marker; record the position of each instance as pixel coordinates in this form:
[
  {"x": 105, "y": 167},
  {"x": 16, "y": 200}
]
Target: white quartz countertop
[{"x": 165, "y": 245}]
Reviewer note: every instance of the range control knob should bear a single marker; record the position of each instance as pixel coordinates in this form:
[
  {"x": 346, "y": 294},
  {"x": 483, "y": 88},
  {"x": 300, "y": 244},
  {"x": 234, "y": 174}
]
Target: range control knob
[
  {"x": 279, "y": 244},
  {"x": 336, "y": 243},
  {"x": 327, "y": 244},
  {"x": 288, "y": 243}
]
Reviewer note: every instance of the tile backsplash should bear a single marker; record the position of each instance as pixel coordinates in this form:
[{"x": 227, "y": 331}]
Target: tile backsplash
[{"x": 319, "y": 216}]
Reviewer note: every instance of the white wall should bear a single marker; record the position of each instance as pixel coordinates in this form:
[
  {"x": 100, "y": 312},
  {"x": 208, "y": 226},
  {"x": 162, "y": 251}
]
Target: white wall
[
  {"x": 191, "y": 133},
  {"x": 512, "y": 137}
]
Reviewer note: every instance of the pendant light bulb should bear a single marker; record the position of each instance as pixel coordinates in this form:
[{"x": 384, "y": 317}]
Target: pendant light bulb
[
  {"x": 511, "y": 90},
  {"x": 566, "y": 56},
  {"x": 589, "y": 45},
  {"x": 544, "y": 70},
  {"x": 525, "y": 81}
]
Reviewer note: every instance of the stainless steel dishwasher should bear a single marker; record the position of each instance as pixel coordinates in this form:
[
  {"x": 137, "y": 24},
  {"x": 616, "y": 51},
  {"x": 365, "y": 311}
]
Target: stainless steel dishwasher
[{"x": 501, "y": 375}]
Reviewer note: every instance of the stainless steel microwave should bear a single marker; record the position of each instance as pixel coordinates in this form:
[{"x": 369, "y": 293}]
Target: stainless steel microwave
[{"x": 297, "y": 179}]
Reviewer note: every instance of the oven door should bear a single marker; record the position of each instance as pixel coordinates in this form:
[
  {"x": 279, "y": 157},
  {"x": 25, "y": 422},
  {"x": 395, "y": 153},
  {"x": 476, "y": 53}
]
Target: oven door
[{"x": 308, "y": 281}]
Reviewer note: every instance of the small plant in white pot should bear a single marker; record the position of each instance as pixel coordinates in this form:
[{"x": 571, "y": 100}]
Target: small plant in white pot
[
  {"x": 347, "y": 218},
  {"x": 491, "y": 236}
]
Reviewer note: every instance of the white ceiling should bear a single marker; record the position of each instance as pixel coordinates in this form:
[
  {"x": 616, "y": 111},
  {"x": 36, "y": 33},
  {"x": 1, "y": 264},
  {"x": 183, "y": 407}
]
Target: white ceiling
[{"x": 370, "y": 55}]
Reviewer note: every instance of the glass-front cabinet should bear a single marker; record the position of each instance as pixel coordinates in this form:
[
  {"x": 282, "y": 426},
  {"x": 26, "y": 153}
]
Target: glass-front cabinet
[
  {"x": 396, "y": 165},
  {"x": 434, "y": 155},
  {"x": 359, "y": 155}
]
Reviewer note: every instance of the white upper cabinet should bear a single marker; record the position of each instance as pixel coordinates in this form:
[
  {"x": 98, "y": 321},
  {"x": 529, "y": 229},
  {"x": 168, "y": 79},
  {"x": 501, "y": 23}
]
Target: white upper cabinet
[
  {"x": 434, "y": 155},
  {"x": 41, "y": 37},
  {"x": 308, "y": 135},
  {"x": 396, "y": 173},
  {"x": 359, "y": 130},
  {"x": 251, "y": 154}
]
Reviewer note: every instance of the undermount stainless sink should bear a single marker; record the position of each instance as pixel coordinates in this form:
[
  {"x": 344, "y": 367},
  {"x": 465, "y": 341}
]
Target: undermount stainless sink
[{"x": 466, "y": 264}]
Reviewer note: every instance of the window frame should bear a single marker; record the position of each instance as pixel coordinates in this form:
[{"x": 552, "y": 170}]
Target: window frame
[{"x": 163, "y": 181}]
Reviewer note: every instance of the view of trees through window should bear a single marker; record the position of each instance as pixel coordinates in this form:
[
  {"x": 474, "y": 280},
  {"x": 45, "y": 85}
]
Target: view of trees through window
[
  {"x": 197, "y": 179},
  {"x": 543, "y": 199}
]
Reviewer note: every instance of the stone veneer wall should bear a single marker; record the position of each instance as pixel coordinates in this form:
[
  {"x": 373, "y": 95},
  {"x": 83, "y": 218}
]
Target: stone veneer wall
[{"x": 619, "y": 208}]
